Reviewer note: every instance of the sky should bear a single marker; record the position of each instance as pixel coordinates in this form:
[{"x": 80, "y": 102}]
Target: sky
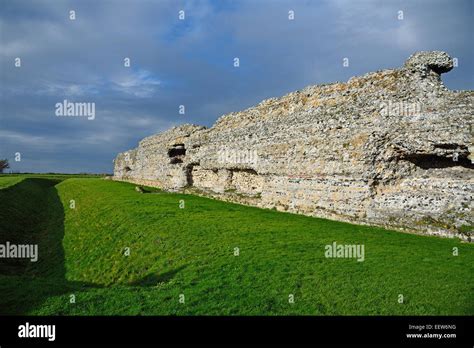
[{"x": 190, "y": 62}]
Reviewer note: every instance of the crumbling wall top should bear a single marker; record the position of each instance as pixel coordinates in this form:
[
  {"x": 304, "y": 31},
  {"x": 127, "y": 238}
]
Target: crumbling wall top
[{"x": 438, "y": 61}]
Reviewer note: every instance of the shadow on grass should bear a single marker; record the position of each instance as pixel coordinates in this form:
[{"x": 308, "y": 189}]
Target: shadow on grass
[
  {"x": 31, "y": 212},
  {"x": 154, "y": 279}
]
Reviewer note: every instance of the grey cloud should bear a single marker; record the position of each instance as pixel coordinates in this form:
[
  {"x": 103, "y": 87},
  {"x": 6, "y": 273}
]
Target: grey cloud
[{"x": 190, "y": 62}]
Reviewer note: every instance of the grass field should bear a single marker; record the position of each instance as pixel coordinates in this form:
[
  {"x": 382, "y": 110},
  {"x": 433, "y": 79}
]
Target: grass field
[{"x": 190, "y": 251}]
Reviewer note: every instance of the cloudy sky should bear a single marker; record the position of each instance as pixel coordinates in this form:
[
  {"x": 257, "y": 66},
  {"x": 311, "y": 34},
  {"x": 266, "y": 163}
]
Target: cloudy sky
[{"x": 190, "y": 62}]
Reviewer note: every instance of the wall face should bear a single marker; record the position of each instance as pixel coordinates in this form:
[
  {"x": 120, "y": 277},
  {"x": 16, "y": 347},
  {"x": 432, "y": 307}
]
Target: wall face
[{"x": 390, "y": 148}]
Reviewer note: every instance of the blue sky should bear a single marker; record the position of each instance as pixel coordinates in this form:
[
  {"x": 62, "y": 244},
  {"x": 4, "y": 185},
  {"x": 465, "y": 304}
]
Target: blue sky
[{"x": 190, "y": 62}]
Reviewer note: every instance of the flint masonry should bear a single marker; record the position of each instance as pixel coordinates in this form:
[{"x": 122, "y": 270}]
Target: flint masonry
[{"x": 345, "y": 151}]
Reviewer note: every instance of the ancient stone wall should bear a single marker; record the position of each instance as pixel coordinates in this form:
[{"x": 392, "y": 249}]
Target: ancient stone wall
[{"x": 390, "y": 148}]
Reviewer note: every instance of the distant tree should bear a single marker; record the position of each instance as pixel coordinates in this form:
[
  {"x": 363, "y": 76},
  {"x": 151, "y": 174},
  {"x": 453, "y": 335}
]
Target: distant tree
[{"x": 4, "y": 165}]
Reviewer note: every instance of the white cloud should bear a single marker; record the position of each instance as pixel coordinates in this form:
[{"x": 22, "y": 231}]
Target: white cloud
[
  {"x": 139, "y": 84},
  {"x": 66, "y": 90}
]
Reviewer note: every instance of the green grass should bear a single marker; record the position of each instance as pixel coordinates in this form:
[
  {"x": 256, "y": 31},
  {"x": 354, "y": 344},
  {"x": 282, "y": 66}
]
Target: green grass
[
  {"x": 190, "y": 251},
  {"x": 6, "y": 181}
]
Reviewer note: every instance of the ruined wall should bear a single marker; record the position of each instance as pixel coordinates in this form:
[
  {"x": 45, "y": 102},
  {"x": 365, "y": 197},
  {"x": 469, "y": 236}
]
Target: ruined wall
[{"x": 390, "y": 148}]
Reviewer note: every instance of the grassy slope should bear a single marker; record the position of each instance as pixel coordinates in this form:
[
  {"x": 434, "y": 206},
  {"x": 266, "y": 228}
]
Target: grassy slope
[
  {"x": 6, "y": 181},
  {"x": 190, "y": 251}
]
